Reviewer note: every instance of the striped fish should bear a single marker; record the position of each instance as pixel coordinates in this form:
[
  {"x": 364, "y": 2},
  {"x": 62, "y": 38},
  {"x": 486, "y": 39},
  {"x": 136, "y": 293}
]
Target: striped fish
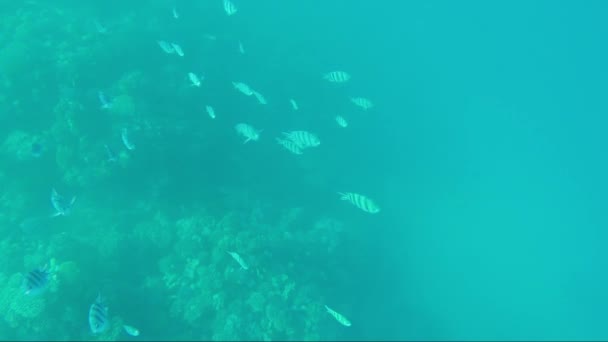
[
  {"x": 341, "y": 319},
  {"x": 229, "y": 7},
  {"x": 36, "y": 281},
  {"x": 303, "y": 139},
  {"x": 290, "y": 146},
  {"x": 337, "y": 77},
  {"x": 362, "y": 102},
  {"x": 98, "y": 316},
  {"x": 248, "y": 132},
  {"x": 360, "y": 202},
  {"x": 341, "y": 121}
]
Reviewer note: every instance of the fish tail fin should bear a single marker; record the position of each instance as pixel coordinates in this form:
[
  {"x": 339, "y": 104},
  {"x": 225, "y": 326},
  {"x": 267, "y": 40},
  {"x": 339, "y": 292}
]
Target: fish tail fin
[{"x": 343, "y": 196}]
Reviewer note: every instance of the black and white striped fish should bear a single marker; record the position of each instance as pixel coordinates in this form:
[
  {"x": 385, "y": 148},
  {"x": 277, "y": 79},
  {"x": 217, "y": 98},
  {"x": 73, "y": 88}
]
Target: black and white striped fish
[
  {"x": 229, "y": 7},
  {"x": 341, "y": 121},
  {"x": 248, "y": 132},
  {"x": 290, "y": 146},
  {"x": 98, "y": 316},
  {"x": 303, "y": 139},
  {"x": 362, "y": 102},
  {"x": 337, "y": 76},
  {"x": 36, "y": 281},
  {"x": 360, "y": 201}
]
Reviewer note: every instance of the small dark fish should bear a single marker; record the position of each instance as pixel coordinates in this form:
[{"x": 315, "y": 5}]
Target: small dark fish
[
  {"x": 37, "y": 149},
  {"x": 36, "y": 281},
  {"x": 98, "y": 316}
]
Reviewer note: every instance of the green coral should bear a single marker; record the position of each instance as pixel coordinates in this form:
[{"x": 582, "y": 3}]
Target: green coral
[
  {"x": 18, "y": 308},
  {"x": 156, "y": 231},
  {"x": 210, "y": 281},
  {"x": 256, "y": 301},
  {"x": 65, "y": 274}
]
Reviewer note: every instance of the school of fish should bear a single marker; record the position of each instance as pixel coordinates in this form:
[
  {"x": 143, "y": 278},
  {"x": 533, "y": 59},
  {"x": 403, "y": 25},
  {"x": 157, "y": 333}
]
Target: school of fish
[{"x": 295, "y": 141}]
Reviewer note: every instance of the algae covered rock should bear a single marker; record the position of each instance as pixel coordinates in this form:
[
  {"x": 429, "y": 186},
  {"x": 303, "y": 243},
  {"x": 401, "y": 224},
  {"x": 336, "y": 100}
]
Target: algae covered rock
[{"x": 17, "y": 307}]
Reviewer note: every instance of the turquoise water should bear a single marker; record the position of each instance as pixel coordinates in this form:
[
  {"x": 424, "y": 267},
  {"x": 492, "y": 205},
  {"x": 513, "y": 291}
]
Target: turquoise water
[{"x": 485, "y": 151}]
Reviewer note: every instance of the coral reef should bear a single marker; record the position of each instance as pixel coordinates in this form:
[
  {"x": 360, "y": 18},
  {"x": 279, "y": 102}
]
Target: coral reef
[
  {"x": 205, "y": 283},
  {"x": 17, "y": 308},
  {"x": 151, "y": 252}
]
